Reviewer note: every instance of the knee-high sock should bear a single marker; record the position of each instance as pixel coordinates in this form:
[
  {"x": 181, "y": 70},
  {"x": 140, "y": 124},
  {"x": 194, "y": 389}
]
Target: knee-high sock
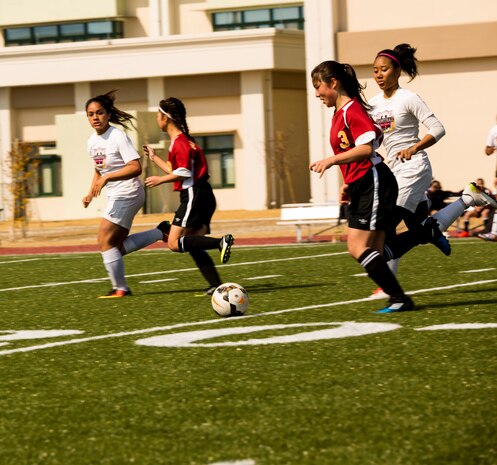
[
  {"x": 206, "y": 266},
  {"x": 447, "y": 215},
  {"x": 142, "y": 239},
  {"x": 114, "y": 264},
  {"x": 378, "y": 271},
  {"x": 394, "y": 266},
  {"x": 189, "y": 243}
]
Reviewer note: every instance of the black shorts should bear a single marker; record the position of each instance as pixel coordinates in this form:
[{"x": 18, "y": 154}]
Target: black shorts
[
  {"x": 372, "y": 200},
  {"x": 197, "y": 205}
]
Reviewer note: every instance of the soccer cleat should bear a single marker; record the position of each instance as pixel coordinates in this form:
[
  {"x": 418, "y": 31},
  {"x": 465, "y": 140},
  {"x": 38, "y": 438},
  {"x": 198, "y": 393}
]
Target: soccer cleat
[
  {"x": 207, "y": 292},
  {"x": 398, "y": 305},
  {"x": 115, "y": 294},
  {"x": 492, "y": 237},
  {"x": 164, "y": 227},
  {"x": 377, "y": 294},
  {"x": 464, "y": 234},
  {"x": 225, "y": 247},
  {"x": 435, "y": 236},
  {"x": 472, "y": 196}
]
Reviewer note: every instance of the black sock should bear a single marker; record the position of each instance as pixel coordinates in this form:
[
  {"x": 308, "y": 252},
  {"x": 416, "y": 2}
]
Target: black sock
[
  {"x": 398, "y": 245},
  {"x": 206, "y": 266},
  {"x": 378, "y": 271},
  {"x": 189, "y": 243}
]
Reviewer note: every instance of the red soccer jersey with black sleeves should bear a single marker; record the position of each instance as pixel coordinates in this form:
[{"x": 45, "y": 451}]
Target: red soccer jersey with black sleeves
[
  {"x": 188, "y": 160},
  {"x": 351, "y": 126}
]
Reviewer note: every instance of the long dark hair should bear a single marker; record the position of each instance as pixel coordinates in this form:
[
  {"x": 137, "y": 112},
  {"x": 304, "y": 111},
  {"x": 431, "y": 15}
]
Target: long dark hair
[
  {"x": 116, "y": 116},
  {"x": 327, "y": 70},
  {"x": 175, "y": 108},
  {"x": 402, "y": 56}
]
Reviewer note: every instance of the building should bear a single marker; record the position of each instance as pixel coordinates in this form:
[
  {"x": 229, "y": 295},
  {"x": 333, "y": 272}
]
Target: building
[{"x": 242, "y": 69}]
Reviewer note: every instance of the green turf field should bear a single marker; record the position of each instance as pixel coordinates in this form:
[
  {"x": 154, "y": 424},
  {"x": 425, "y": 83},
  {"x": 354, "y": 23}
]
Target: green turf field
[{"x": 312, "y": 376}]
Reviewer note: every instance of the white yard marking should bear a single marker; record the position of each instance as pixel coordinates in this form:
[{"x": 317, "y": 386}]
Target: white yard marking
[
  {"x": 236, "y": 462},
  {"x": 221, "y": 320},
  {"x": 262, "y": 277},
  {"x": 181, "y": 270},
  {"x": 458, "y": 326},
  {"x": 481, "y": 270},
  {"x": 20, "y": 261},
  {"x": 158, "y": 280}
]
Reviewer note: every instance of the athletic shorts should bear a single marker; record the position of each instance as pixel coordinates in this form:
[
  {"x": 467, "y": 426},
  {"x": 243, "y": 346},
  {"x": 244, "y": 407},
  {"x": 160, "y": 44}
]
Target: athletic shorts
[
  {"x": 197, "y": 205},
  {"x": 372, "y": 200},
  {"x": 413, "y": 180},
  {"x": 123, "y": 211}
]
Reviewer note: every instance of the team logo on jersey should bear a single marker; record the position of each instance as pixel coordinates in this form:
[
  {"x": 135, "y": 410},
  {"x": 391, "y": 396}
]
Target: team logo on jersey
[
  {"x": 385, "y": 120},
  {"x": 99, "y": 157}
]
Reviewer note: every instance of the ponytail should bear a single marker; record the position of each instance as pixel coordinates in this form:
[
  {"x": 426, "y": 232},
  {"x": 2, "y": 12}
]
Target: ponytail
[
  {"x": 402, "y": 56},
  {"x": 345, "y": 74}
]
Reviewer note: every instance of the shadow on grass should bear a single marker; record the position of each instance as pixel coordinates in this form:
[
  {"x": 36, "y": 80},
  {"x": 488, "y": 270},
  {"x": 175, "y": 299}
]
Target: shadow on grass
[{"x": 259, "y": 289}]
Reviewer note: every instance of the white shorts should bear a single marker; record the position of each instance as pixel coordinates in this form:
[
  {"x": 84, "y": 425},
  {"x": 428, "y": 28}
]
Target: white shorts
[
  {"x": 413, "y": 180},
  {"x": 123, "y": 211}
]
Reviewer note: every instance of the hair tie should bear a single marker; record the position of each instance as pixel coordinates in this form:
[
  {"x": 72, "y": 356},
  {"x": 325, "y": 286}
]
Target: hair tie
[
  {"x": 389, "y": 56},
  {"x": 166, "y": 113}
]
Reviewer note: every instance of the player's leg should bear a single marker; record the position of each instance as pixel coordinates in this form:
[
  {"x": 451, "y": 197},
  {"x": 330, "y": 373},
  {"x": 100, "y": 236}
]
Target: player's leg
[
  {"x": 110, "y": 238},
  {"x": 472, "y": 196},
  {"x": 143, "y": 239},
  {"x": 190, "y": 214}
]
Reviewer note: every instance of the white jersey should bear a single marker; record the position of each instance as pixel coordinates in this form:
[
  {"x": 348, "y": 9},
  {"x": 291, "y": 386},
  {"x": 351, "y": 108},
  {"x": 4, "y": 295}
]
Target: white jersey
[
  {"x": 492, "y": 137},
  {"x": 110, "y": 152},
  {"x": 399, "y": 117}
]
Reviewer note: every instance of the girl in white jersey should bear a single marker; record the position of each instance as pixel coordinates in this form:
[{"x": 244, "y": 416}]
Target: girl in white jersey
[
  {"x": 399, "y": 112},
  {"x": 117, "y": 167}
]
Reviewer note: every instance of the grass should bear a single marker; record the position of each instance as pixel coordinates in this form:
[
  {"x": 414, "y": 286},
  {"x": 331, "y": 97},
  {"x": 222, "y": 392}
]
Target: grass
[{"x": 402, "y": 396}]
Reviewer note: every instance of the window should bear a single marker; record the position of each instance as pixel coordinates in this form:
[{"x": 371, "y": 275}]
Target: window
[
  {"x": 281, "y": 18},
  {"x": 219, "y": 152},
  {"x": 46, "y": 176},
  {"x": 69, "y": 32}
]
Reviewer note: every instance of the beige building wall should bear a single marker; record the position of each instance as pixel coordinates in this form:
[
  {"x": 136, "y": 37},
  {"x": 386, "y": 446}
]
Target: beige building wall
[{"x": 252, "y": 83}]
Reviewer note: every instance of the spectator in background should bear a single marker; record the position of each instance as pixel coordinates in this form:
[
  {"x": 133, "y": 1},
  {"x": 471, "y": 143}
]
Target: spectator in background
[
  {"x": 478, "y": 211},
  {"x": 438, "y": 196}
]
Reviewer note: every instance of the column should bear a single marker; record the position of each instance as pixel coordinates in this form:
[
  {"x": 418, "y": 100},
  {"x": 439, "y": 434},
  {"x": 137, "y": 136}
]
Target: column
[
  {"x": 155, "y": 92},
  {"x": 82, "y": 93},
  {"x": 320, "y": 46},
  {"x": 257, "y": 115},
  {"x": 5, "y": 147}
]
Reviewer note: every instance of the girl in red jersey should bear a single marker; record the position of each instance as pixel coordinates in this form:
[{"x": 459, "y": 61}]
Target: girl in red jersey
[
  {"x": 187, "y": 169},
  {"x": 370, "y": 188}
]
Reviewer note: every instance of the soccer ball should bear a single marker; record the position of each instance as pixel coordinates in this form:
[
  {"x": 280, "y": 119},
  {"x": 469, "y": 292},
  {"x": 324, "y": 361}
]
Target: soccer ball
[{"x": 230, "y": 299}]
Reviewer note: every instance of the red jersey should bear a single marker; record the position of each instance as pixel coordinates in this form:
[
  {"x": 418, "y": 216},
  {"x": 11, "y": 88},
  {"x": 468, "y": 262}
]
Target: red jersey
[
  {"x": 188, "y": 160},
  {"x": 351, "y": 126}
]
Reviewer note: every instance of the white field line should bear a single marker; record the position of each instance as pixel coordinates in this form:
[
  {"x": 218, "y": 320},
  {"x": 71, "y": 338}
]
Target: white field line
[
  {"x": 262, "y": 277},
  {"x": 158, "y": 280},
  {"x": 86, "y": 281},
  {"x": 481, "y": 270},
  {"x": 224, "y": 320}
]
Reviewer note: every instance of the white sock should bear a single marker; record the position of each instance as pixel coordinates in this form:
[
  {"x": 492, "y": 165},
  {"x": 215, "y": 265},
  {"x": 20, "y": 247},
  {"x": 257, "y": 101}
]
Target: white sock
[
  {"x": 140, "y": 240},
  {"x": 394, "y": 266},
  {"x": 447, "y": 215},
  {"x": 114, "y": 264}
]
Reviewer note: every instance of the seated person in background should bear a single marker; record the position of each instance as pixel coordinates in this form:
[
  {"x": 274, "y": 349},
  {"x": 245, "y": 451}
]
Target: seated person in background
[
  {"x": 485, "y": 212},
  {"x": 438, "y": 197}
]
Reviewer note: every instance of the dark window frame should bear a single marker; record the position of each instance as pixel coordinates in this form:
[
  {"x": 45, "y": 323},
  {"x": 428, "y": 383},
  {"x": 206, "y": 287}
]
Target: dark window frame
[
  {"x": 226, "y": 153},
  {"x": 54, "y": 163},
  {"x": 117, "y": 32},
  {"x": 272, "y": 22}
]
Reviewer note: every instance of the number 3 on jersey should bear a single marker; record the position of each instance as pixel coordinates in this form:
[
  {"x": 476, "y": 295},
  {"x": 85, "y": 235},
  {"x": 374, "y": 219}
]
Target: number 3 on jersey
[{"x": 344, "y": 142}]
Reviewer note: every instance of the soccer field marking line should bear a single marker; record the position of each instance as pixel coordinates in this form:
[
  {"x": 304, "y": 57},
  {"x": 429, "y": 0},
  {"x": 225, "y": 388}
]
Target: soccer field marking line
[
  {"x": 481, "y": 270},
  {"x": 158, "y": 280},
  {"x": 20, "y": 261},
  {"x": 181, "y": 270},
  {"x": 253, "y": 278},
  {"x": 221, "y": 320}
]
